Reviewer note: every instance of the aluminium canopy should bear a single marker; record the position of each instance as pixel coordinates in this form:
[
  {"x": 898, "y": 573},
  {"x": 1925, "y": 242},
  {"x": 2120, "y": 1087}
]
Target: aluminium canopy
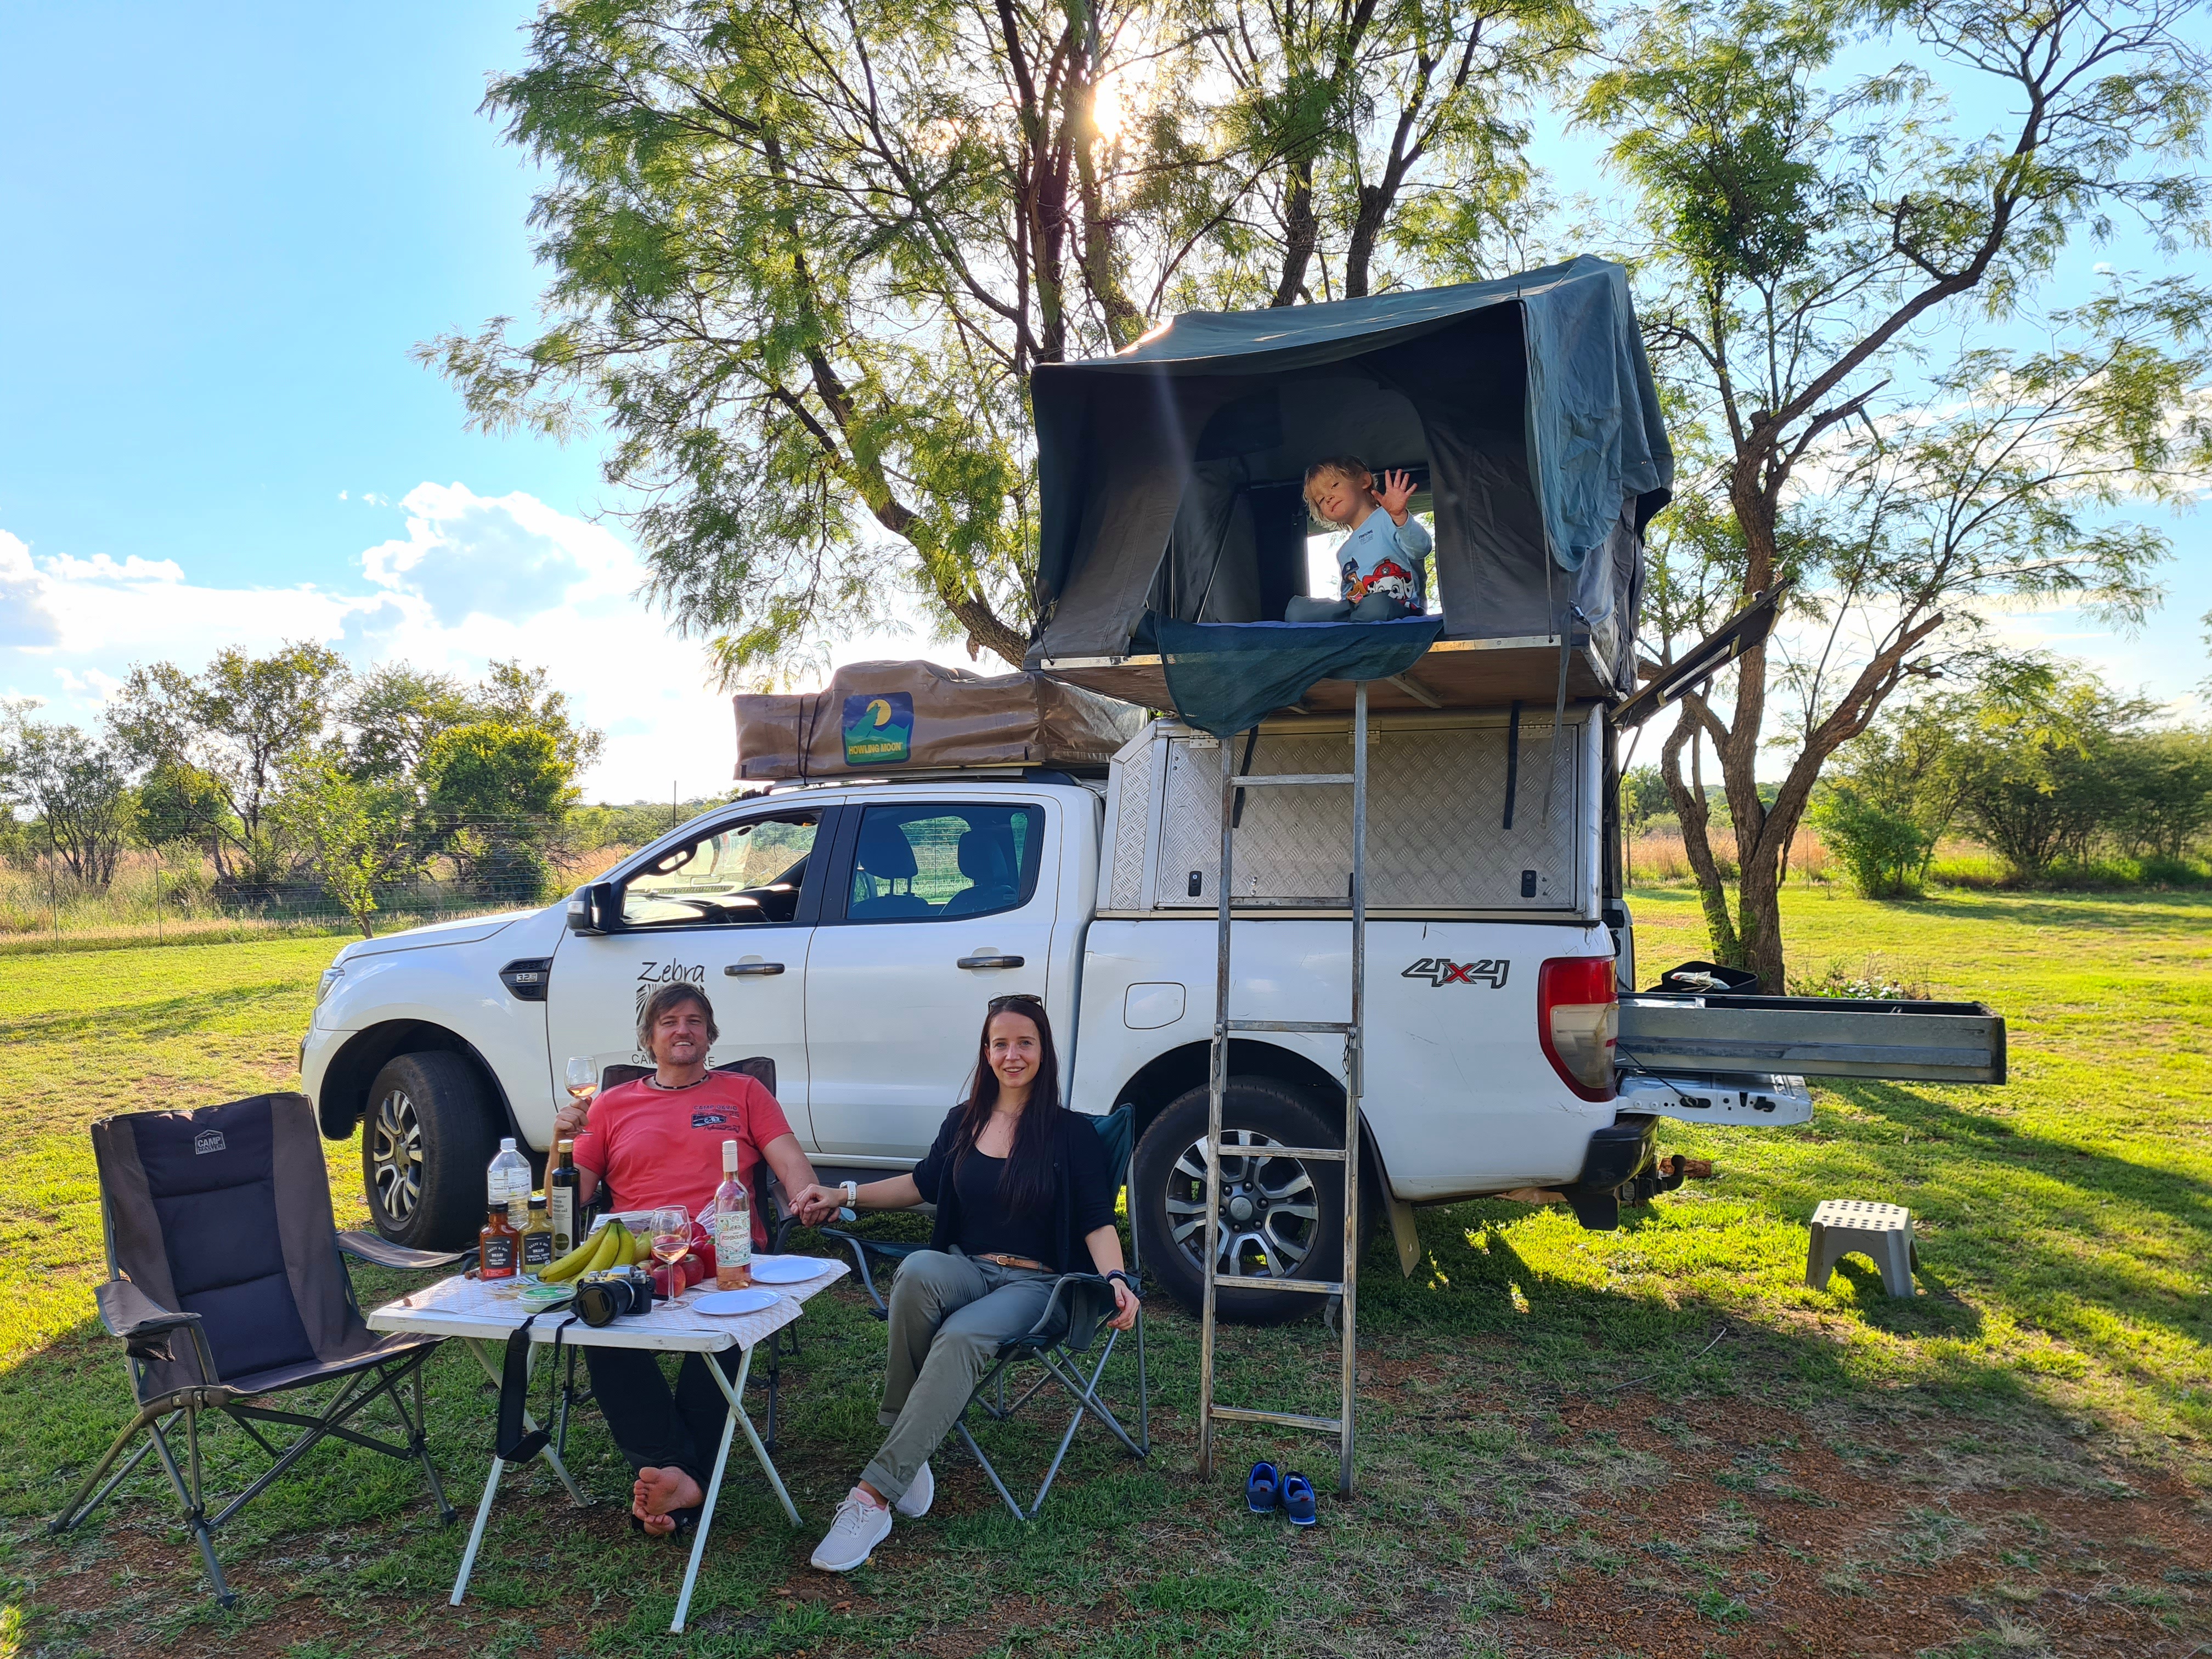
[{"x": 1171, "y": 473}]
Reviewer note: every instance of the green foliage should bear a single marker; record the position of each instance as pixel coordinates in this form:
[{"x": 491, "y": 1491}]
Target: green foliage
[
  {"x": 1886, "y": 852},
  {"x": 2042, "y": 763},
  {"x": 1820, "y": 244},
  {"x": 357, "y": 837},
  {"x": 496, "y": 795},
  {"x": 2162, "y": 792},
  {"x": 1644, "y": 796},
  {"x": 805, "y": 258},
  {"x": 79, "y": 789},
  {"x": 233, "y": 723},
  {"x": 177, "y": 803},
  {"x": 391, "y": 713}
]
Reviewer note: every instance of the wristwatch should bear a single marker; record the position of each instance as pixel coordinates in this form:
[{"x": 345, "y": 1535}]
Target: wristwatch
[{"x": 852, "y": 1192}]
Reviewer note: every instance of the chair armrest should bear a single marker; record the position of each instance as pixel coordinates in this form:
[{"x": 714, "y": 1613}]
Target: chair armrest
[
  {"x": 128, "y": 1311},
  {"x": 1076, "y": 1289},
  {"x": 143, "y": 1323},
  {"x": 380, "y": 1251}
]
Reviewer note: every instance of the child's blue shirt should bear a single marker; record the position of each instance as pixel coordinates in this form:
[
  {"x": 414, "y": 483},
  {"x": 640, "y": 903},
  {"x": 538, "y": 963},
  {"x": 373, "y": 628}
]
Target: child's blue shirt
[{"x": 1382, "y": 558}]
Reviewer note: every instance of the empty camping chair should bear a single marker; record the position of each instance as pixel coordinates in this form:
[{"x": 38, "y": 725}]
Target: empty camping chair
[
  {"x": 227, "y": 1284},
  {"x": 1060, "y": 1341}
]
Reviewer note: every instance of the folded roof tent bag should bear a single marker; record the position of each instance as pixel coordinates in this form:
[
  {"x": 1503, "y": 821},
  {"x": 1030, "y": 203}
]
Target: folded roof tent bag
[{"x": 901, "y": 716}]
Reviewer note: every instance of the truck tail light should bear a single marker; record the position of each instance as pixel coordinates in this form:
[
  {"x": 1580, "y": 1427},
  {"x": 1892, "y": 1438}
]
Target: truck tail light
[{"x": 1578, "y": 1017}]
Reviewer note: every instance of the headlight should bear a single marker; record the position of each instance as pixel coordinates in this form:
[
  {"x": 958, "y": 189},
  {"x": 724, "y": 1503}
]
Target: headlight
[{"x": 328, "y": 983}]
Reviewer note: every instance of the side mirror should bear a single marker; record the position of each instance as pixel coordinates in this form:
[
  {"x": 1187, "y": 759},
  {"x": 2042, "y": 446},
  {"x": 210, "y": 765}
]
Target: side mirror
[{"x": 591, "y": 909}]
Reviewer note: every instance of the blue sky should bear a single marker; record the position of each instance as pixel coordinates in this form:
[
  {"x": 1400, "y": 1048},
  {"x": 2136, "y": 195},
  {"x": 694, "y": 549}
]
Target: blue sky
[{"x": 226, "y": 226}]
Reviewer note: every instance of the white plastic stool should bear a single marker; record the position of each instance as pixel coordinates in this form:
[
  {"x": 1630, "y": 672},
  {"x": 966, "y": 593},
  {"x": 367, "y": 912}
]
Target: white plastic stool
[{"x": 1881, "y": 1232}]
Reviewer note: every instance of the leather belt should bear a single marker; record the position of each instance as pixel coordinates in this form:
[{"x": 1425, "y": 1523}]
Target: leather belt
[{"x": 1013, "y": 1261}]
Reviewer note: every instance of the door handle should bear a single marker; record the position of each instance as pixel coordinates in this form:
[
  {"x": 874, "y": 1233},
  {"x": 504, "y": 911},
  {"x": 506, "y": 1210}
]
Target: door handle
[
  {"x": 988, "y": 962},
  {"x": 753, "y": 969}
]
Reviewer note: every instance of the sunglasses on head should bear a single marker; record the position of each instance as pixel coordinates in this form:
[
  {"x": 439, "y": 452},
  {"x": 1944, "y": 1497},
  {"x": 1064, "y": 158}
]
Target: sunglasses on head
[{"x": 1011, "y": 997}]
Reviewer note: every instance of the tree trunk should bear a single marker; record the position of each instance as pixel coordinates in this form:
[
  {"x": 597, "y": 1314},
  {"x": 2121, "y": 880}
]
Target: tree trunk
[
  {"x": 1301, "y": 231},
  {"x": 1690, "y": 805}
]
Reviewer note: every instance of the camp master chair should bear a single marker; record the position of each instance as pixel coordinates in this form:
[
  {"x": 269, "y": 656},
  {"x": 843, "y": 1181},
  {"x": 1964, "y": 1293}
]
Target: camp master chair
[
  {"x": 219, "y": 1230},
  {"x": 1059, "y": 1340}
]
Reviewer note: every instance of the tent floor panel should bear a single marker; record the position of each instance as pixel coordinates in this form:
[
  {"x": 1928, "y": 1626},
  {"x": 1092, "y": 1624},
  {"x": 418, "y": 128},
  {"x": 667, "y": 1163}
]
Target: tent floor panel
[{"x": 1451, "y": 674}]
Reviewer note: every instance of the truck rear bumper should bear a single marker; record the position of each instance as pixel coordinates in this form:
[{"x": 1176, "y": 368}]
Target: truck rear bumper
[
  {"x": 1764, "y": 1103},
  {"x": 1622, "y": 1165}
]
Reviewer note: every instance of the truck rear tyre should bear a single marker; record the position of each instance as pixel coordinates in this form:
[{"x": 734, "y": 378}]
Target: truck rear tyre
[
  {"x": 1280, "y": 1217},
  {"x": 429, "y": 1131}
]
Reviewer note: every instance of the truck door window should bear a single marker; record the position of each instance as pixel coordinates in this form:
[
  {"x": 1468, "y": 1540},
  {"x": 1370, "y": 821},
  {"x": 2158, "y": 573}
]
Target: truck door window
[
  {"x": 923, "y": 863},
  {"x": 742, "y": 874}
]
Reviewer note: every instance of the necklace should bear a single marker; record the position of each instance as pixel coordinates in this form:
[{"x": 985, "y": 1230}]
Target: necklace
[{"x": 674, "y": 1088}]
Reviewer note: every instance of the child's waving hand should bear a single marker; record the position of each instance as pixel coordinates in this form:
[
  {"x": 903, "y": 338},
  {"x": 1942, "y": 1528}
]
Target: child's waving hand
[{"x": 1397, "y": 490}]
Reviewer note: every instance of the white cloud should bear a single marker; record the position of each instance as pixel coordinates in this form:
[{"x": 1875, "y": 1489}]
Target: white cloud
[
  {"x": 509, "y": 558},
  {"x": 474, "y": 578},
  {"x": 26, "y": 623}
]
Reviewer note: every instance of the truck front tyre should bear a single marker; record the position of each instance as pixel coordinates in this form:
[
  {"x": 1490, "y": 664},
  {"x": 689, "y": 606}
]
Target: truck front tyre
[
  {"x": 1280, "y": 1217},
  {"x": 426, "y": 1137}
]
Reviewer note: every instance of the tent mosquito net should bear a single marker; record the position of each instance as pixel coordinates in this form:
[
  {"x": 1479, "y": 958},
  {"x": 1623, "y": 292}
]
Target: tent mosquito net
[{"x": 1172, "y": 474}]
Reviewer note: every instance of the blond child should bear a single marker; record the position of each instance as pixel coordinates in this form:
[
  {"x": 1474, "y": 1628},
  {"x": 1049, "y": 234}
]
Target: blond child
[{"x": 1381, "y": 561}]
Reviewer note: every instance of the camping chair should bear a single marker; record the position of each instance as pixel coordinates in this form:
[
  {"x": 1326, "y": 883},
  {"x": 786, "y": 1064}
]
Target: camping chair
[
  {"x": 1065, "y": 1333},
  {"x": 218, "y": 1226}
]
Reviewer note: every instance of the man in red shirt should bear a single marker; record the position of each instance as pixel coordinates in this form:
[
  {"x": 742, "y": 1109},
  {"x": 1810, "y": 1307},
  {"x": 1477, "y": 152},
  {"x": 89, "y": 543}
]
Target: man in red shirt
[{"x": 657, "y": 1141}]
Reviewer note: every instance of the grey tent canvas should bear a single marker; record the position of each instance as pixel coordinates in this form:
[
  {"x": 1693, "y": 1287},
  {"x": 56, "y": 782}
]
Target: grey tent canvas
[{"x": 1171, "y": 473}]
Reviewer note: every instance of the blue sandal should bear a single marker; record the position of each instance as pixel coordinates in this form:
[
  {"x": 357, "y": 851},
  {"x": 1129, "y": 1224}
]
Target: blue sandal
[
  {"x": 1262, "y": 1489},
  {"x": 1298, "y": 1499}
]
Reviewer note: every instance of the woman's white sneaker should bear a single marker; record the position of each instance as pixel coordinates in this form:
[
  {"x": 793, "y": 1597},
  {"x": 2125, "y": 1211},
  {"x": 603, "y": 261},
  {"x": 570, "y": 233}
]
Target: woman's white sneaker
[
  {"x": 857, "y": 1528},
  {"x": 915, "y": 1502}
]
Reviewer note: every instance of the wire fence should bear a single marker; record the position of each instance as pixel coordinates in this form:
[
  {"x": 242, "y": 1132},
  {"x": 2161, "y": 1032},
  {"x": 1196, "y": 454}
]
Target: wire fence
[{"x": 159, "y": 894}]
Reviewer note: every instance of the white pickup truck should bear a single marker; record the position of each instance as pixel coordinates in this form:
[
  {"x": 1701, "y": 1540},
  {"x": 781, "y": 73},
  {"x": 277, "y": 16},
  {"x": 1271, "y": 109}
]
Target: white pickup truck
[{"x": 852, "y": 933}]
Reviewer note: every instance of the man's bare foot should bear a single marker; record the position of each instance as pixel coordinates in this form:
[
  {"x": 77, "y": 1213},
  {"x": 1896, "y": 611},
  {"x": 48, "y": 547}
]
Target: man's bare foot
[{"x": 660, "y": 1490}]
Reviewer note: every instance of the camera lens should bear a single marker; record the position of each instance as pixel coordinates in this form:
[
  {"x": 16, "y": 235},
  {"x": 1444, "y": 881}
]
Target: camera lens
[{"x": 602, "y": 1301}]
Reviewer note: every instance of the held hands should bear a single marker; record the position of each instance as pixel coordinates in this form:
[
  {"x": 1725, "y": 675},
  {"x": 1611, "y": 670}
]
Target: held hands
[
  {"x": 1394, "y": 496},
  {"x": 818, "y": 1204}
]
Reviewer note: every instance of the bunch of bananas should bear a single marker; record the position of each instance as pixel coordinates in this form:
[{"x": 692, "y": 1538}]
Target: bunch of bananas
[{"x": 613, "y": 1246}]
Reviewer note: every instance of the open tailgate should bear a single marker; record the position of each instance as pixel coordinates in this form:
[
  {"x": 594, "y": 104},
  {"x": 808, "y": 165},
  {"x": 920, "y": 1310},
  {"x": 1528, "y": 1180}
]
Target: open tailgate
[{"x": 1729, "y": 1035}]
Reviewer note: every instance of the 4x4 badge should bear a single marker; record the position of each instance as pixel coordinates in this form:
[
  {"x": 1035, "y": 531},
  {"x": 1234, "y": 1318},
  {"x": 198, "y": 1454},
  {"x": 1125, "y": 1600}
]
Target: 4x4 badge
[{"x": 1443, "y": 970}]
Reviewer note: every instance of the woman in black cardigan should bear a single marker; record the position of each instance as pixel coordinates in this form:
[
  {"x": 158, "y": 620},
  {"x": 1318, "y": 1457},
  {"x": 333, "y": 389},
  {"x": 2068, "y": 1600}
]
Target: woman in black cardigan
[{"x": 1022, "y": 1195}]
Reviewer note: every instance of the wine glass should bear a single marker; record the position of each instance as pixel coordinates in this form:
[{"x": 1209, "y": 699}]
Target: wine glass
[
  {"x": 583, "y": 1079},
  {"x": 672, "y": 1234}
]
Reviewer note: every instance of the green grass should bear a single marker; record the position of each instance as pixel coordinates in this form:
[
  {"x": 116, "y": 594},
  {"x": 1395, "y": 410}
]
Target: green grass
[{"x": 1651, "y": 1440}]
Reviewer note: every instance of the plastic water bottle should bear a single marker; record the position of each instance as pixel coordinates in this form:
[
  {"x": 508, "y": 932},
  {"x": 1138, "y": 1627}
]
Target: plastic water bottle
[{"x": 507, "y": 1182}]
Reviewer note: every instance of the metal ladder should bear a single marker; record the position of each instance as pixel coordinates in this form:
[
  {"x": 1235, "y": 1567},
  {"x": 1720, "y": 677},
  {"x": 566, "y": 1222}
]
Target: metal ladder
[{"x": 1346, "y": 1289}]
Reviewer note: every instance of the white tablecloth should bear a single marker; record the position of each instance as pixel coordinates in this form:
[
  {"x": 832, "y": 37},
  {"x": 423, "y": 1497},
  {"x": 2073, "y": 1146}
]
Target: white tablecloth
[{"x": 470, "y": 1307}]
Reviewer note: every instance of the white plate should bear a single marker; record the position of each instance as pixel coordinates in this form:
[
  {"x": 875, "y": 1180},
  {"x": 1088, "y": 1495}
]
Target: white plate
[
  {"x": 730, "y": 1304},
  {"x": 789, "y": 1269}
]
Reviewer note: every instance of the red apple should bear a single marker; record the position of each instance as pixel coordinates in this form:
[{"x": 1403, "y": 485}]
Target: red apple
[{"x": 695, "y": 1270}]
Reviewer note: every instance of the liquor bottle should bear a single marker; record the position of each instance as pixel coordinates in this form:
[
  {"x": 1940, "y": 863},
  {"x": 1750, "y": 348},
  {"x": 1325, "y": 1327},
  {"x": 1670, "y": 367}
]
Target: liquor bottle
[
  {"x": 561, "y": 1197},
  {"x": 538, "y": 1238},
  {"x": 732, "y": 1226},
  {"x": 507, "y": 1182},
  {"x": 495, "y": 1251}
]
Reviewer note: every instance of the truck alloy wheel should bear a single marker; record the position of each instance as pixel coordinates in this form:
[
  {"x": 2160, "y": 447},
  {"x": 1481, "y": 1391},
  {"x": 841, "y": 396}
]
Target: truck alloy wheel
[
  {"x": 395, "y": 1155},
  {"x": 1280, "y": 1217},
  {"x": 1269, "y": 1208},
  {"x": 429, "y": 1131}
]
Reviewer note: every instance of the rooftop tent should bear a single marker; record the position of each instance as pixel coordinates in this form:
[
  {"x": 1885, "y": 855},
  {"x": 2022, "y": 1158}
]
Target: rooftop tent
[{"x": 1171, "y": 473}]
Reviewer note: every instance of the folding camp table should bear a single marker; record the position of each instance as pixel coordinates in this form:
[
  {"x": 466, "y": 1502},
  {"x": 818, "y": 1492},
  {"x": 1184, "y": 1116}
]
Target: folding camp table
[{"x": 483, "y": 1316}]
